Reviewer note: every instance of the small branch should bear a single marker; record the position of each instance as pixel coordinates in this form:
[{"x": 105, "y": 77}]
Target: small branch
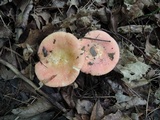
[
  {"x": 20, "y": 75},
  {"x": 96, "y": 39}
]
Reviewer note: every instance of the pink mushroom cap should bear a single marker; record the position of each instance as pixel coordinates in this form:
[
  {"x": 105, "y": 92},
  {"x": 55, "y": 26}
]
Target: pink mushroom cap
[
  {"x": 60, "y": 59},
  {"x": 101, "y": 53}
]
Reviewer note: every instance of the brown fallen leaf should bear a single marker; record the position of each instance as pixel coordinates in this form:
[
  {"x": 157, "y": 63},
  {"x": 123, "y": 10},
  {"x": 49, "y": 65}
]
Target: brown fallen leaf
[
  {"x": 36, "y": 36},
  {"x": 117, "y": 116},
  {"x": 5, "y": 32},
  {"x": 5, "y": 72},
  {"x": 153, "y": 52},
  {"x": 41, "y": 17},
  {"x": 58, "y": 4},
  {"x": 73, "y": 7},
  {"x": 28, "y": 71},
  {"x": 40, "y": 106},
  {"x": 97, "y": 112},
  {"x": 67, "y": 94},
  {"x": 84, "y": 106}
]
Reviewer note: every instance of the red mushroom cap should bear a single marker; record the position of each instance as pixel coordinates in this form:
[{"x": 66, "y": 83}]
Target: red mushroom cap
[
  {"x": 60, "y": 59},
  {"x": 101, "y": 53}
]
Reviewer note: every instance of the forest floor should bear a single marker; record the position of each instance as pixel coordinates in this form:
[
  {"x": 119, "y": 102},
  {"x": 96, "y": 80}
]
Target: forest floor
[{"x": 129, "y": 92}]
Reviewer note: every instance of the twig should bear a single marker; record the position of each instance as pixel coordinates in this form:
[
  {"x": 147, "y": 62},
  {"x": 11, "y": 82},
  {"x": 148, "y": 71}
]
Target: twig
[
  {"x": 95, "y": 97},
  {"x": 96, "y": 39},
  {"x": 145, "y": 56},
  {"x": 149, "y": 93},
  {"x": 15, "y": 70}
]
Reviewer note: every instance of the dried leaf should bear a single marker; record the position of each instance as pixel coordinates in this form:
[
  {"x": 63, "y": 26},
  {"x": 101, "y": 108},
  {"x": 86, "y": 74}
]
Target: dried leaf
[
  {"x": 133, "y": 70},
  {"x": 45, "y": 15},
  {"x": 27, "y": 52},
  {"x": 73, "y": 7},
  {"x": 67, "y": 94},
  {"x": 103, "y": 13},
  {"x": 29, "y": 72},
  {"x": 115, "y": 86},
  {"x": 85, "y": 117},
  {"x": 21, "y": 4},
  {"x": 37, "y": 20},
  {"x": 157, "y": 96},
  {"x": 43, "y": 116},
  {"x": 134, "y": 29},
  {"x": 36, "y": 36},
  {"x": 22, "y": 18},
  {"x": 153, "y": 52},
  {"x": 100, "y": 2},
  {"x": 5, "y": 32},
  {"x": 84, "y": 106},
  {"x": 148, "y": 2},
  {"x": 69, "y": 115},
  {"x": 83, "y": 22},
  {"x": 97, "y": 112},
  {"x": 3, "y": 2},
  {"x": 126, "y": 102},
  {"x": 58, "y": 3},
  {"x": 40, "y": 106},
  {"x": 135, "y": 116},
  {"x": 117, "y": 116},
  {"x": 134, "y": 8},
  {"x": 26, "y": 14},
  {"x": 33, "y": 36},
  {"x": 6, "y": 73}
]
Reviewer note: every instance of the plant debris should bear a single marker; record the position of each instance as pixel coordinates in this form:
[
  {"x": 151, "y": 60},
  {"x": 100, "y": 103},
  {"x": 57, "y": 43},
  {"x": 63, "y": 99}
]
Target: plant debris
[{"x": 130, "y": 91}]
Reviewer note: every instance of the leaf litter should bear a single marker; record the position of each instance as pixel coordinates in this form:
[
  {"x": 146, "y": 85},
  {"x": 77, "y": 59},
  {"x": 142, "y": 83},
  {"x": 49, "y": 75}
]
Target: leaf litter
[{"x": 130, "y": 91}]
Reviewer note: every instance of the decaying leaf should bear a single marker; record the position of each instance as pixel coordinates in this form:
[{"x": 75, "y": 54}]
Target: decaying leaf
[
  {"x": 100, "y": 2},
  {"x": 58, "y": 3},
  {"x": 133, "y": 70},
  {"x": 152, "y": 52},
  {"x": 115, "y": 86},
  {"x": 117, "y": 116},
  {"x": 22, "y": 17},
  {"x": 41, "y": 17},
  {"x": 28, "y": 72},
  {"x": 40, "y": 106},
  {"x": 134, "y": 29},
  {"x": 157, "y": 96},
  {"x": 73, "y": 7},
  {"x": 97, "y": 112},
  {"x": 134, "y": 8},
  {"x": 27, "y": 52},
  {"x": 83, "y": 22},
  {"x": 67, "y": 94},
  {"x": 43, "y": 116},
  {"x": 5, "y": 72},
  {"x": 3, "y": 2},
  {"x": 126, "y": 102},
  {"x": 70, "y": 21},
  {"x": 84, "y": 106},
  {"x": 36, "y": 36},
  {"x": 103, "y": 13},
  {"x": 5, "y": 32},
  {"x": 135, "y": 116},
  {"x": 69, "y": 115}
]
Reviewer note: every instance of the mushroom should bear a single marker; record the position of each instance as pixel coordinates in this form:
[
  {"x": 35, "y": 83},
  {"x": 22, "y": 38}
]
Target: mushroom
[
  {"x": 60, "y": 60},
  {"x": 101, "y": 53}
]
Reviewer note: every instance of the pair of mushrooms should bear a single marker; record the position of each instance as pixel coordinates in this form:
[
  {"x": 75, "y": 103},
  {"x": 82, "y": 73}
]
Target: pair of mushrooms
[{"x": 63, "y": 56}]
